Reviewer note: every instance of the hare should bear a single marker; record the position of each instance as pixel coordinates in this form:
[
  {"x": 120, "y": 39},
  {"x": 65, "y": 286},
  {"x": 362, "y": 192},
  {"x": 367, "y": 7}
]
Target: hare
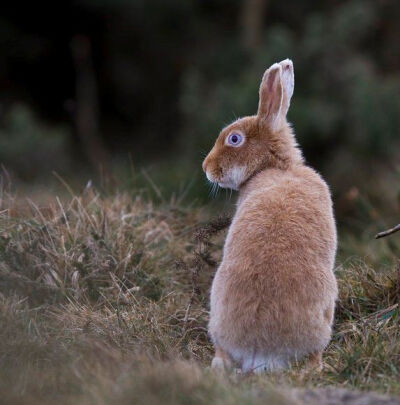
[{"x": 273, "y": 296}]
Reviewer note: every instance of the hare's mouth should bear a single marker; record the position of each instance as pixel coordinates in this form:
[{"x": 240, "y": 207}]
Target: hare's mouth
[
  {"x": 210, "y": 178},
  {"x": 233, "y": 178},
  {"x": 223, "y": 183}
]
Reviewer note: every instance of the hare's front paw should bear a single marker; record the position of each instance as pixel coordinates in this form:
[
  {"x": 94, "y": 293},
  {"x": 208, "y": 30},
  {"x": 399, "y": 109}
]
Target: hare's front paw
[
  {"x": 221, "y": 361},
  {"x": 219, "y": 364}
]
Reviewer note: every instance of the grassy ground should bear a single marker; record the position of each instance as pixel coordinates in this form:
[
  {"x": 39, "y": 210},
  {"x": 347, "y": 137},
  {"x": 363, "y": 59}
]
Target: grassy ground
[{"x": 104, "y": 300}]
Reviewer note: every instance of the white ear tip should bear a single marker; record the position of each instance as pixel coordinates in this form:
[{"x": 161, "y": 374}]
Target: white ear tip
[{"x": 287, "y": 63}]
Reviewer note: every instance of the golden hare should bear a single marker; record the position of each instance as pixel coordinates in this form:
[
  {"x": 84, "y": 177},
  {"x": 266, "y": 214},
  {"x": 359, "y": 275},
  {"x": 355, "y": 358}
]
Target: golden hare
[{"x": 273, "y": 296}]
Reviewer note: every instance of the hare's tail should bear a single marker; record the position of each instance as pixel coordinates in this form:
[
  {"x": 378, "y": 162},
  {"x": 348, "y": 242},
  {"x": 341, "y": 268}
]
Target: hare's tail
[{"x": 261, "y": 363}]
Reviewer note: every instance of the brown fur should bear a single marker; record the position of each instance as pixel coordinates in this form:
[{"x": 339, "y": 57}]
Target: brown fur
[{"x": 273, "y": 296}]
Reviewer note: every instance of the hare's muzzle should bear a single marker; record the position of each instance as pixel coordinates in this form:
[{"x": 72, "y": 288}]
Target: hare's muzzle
[
  {"x": 208, "y": 166},
  {"x": 212, "y": 167}
]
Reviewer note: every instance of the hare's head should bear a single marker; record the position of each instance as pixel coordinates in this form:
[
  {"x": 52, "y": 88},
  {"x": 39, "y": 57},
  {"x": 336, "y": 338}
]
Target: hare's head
[{"x": 254, "y": 143}]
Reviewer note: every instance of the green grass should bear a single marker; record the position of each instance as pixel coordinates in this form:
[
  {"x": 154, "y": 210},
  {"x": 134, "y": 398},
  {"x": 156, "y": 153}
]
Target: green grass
[{"x": 104, "y": 299}]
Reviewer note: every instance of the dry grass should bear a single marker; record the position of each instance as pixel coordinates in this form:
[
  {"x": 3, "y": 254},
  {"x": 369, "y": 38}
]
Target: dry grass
[{"x": 104, "y": 300}]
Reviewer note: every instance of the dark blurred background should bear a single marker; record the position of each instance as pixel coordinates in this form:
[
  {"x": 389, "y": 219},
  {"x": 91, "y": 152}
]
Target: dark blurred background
[{"x": 108, "y": 88}]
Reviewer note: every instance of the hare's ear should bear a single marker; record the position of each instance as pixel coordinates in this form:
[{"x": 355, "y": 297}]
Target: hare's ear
[
  {"x": 287, "y": 80},
  {"x": 276, "y": 91}
]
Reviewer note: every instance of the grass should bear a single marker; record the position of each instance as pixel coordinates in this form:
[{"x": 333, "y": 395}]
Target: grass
[{"x": 104, "y": 299}]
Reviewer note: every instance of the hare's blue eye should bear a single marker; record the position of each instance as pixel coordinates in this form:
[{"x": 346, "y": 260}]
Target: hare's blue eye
[{"x": 235, "y": 139}]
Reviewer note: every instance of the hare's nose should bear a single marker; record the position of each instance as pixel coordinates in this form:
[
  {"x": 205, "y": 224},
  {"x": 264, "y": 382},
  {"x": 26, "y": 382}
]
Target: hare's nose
[{"x": 204, "y": 165}]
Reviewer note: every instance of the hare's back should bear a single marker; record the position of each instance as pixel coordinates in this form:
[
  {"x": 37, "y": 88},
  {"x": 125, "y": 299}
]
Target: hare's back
[{"x": 289, "y": 223}]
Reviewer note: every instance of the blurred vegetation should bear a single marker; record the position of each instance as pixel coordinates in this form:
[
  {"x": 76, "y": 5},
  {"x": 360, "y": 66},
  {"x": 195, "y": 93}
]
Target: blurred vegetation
[
  {"x": 30, "y": 148},
  {"x": 104, "y": 299}
]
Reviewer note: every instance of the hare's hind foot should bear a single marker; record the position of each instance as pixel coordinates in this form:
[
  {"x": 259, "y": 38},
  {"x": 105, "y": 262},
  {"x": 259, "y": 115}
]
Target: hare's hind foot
[
  {"x": 221, "y": 361},
  {"x": 315, "y": 361}
]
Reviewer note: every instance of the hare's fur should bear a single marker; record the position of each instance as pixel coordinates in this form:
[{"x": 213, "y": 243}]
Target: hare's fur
[{"x": 273, "y": 296}]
